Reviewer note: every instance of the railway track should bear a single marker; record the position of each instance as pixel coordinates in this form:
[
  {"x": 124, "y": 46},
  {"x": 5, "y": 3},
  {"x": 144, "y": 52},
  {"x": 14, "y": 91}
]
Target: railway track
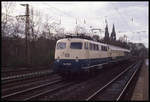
[
  {"x": 115, "y": 88},
  {"x": 31, "y": 90},
  {"x": 50, "y": 91},
  {"x": 21, "y": 94},
  {"x": 22, "y": 68},
  {"x": 28, "y": 83},
  {"x": 37, "y": 90},
  {"x": 14, "y": 78},
  {"x": 19, "y": 71},
  {"x": 76, "y": 91}
]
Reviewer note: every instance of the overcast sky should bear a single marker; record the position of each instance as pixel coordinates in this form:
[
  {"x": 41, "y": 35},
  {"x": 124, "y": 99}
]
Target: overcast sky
[{"x": 130, "y": 18}]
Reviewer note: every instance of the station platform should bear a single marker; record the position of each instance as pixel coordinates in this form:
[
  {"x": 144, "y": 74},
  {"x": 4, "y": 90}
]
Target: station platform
[{"x": 141, "y": 90}]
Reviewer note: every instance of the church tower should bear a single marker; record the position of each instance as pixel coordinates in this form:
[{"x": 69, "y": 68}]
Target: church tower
[
  {"x": 113, "y": 34},
  {"x": 106, "y": 38}
]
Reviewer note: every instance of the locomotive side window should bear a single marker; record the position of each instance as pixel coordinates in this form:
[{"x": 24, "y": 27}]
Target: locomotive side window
[
  {"x": 61, "y": 45},
  {"x": 85, "y": 45},
  {"x": 97, "y": 47},
  {"x": 94, "y": 46},
  {"x": 90, "y": 46},
  {"x": 76, "y": 45},
  {"x": 126, "y": 53},
  {"x": 104, "y": 48}
]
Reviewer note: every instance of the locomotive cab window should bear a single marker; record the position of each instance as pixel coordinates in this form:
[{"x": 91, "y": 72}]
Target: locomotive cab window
[
  {"x": 76, "y": 45},
  {"x": 61, "y": 45}
]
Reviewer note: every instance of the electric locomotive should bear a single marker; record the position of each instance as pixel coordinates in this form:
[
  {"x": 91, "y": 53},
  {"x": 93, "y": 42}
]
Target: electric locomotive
[{"x": 77, "y": 55}]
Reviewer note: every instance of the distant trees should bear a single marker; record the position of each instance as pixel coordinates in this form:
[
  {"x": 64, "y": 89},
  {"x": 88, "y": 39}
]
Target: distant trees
[
  {"x": 138, "y": 49},
  {"x": 41, "y": 51},
  {"x": 6, "y": 18},
  {"x": 41, "y": 40},
  {"x": 35, "y": 23}
]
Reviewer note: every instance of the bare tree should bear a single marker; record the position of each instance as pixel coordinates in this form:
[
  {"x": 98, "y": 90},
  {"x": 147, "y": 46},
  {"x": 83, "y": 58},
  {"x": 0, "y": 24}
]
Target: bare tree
[
  {"x": 35, "y": 23},
  {"x": 7, "y": 9},
  {"x": 50, "y": 26}
]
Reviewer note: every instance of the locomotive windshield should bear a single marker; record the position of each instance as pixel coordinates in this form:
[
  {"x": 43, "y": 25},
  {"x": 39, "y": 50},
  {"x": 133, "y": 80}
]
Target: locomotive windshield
[
  {"x": 76, "y": 45},
  {"x": 61, "y": 45}
]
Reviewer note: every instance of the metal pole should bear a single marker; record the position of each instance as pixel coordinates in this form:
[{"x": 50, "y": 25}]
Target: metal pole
[{"x": 27, "y": 34}]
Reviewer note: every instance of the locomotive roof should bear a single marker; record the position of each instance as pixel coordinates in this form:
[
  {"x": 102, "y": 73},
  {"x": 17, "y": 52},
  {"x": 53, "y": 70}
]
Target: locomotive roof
[
  {"x": 118, "y": 48},
  {"x": 112, "y": 47},
  {"x": 81, "y": 39}
]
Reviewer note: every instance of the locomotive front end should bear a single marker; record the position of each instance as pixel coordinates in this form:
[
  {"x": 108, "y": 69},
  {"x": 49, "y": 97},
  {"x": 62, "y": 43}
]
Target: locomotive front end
[{"x": 67, "y": 56}]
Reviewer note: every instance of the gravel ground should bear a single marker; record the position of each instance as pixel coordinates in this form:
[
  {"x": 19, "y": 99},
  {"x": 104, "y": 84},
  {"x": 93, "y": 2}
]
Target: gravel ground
[{"x": 140, "y": 92}]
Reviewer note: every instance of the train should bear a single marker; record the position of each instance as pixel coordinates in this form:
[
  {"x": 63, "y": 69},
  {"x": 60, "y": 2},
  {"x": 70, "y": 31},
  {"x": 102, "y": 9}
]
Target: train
[{"x": 79, "y": 55}]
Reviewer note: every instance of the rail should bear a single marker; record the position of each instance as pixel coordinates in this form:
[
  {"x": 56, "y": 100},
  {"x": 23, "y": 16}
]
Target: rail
[
  {"x": 106, "y": 86},
  {"x": 25, "y": 75}
]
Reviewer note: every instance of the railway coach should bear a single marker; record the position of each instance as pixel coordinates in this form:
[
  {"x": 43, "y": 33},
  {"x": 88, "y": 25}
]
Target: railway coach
[{"x": 77, "y": 55}]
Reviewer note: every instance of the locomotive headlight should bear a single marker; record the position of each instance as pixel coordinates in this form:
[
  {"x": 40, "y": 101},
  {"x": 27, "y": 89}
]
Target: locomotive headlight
[
  {"x": 57, "y": 59},
  {"x": 77, "y": 60}
]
